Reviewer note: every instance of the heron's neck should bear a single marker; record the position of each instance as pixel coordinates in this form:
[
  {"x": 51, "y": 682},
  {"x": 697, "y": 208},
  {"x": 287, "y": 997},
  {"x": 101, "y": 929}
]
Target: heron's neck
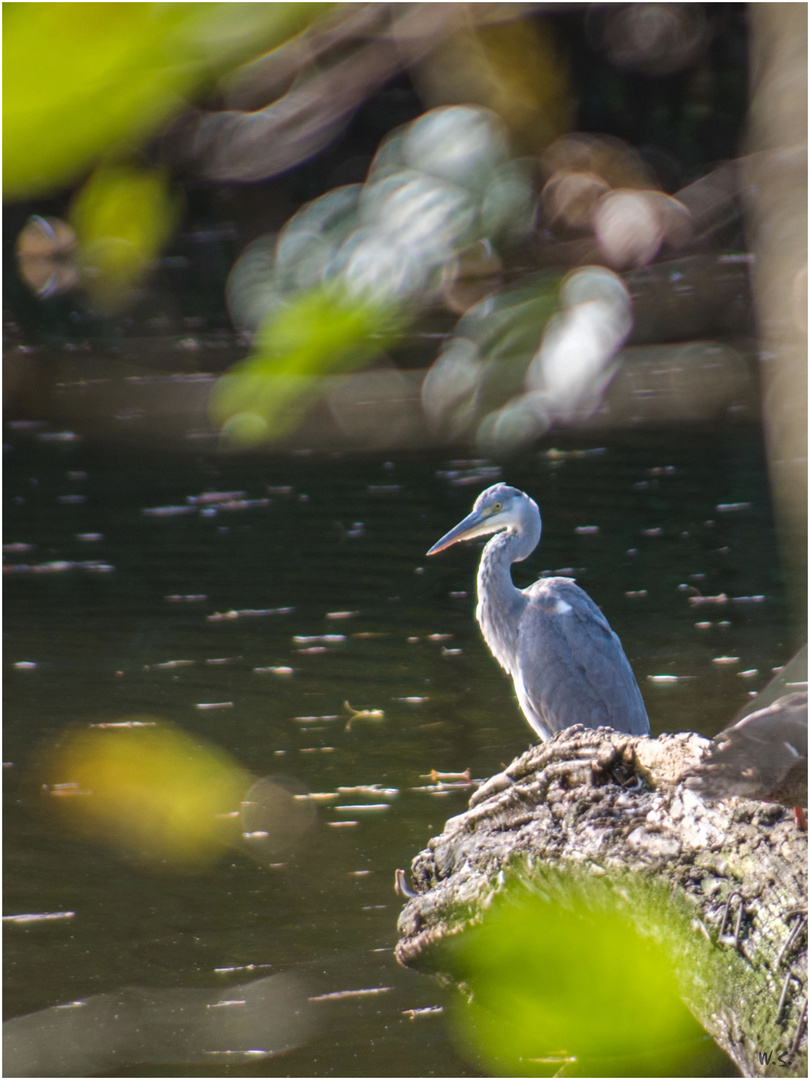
[{"x": 500, "y": 604}]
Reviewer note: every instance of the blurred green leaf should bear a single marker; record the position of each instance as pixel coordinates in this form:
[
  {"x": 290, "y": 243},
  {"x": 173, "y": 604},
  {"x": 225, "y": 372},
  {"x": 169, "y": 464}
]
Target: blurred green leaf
[
  {"x": 147, "y": 788},
  {"x": 571, "y": 980},
  {"x": 122, "y": 217},
  {"x": 81, "y": 80},
  {"x": 323, "y": 331}
]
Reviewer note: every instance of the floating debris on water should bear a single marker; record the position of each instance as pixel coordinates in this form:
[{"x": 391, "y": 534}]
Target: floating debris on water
[
  {"x": 341, "y": 824},
  {"x": 25, "y": 665},
  {"x": 375, "y": 790},
  {"x": 438, "y": 637},
  {"x": 59, "y": 436},
  {"x": 174, "y": 664},
  {"x": 427, "y": 1010},
  {"x": 362, "y": 714},
  {"x": 59, "y": 566},
  {"x": 663, "y": 678},
  {"x": 168, "y": 511},
  {"x": 458, "y": 594},
  {"x": 412, "y": 700},
  {"x": 451, "y": 652},
  {"x": 240, "y": 967},
  {"x": 320, "y": 639},
  {"x": 89, "y": 538},
  {"x": 652, "y": 532},
  {"x": 283, "y": 671},
  {"x": 749, "y": 674},
  {"x": 703, "y": 625},
  {"x": 444, "y": 787},
  {"x": 45, "y": 916},
  {"x": 208, "y": 497},
  {"x": 14, "y": 549},
  {"x": 730, "y": 508},
  {"x": 725, "y": 660},
  {"x": 219, "y": 616},
  {"x": 586, "y": 530},
  {"x": 435, "y": 775},
  {"x": 342, "y": 614},
  {"x": 214, "y": 705},
  {"x": 721, "y": 598},
  {"x": 235, "y": 504},
  {"x": 363, "y": 808},
  {"x": 636, "y": 592},
  {"x": 312, "y": 719},
  {"x": 747, "y": 599},
  {"x": 124, "y": 724},
  {"x": 338, "y": 995}
]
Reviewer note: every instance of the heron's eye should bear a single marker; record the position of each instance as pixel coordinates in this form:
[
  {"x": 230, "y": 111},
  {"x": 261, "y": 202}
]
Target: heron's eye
[{"x": 496, "y": 507}]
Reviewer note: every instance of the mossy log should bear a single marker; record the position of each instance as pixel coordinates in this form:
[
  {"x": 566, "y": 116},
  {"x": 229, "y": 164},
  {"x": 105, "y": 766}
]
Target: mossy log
[{"x": 613, "y": 805}]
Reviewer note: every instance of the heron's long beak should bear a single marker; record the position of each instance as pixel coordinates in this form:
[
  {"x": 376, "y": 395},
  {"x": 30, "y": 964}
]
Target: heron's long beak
[{"x": 474, "y": 524}]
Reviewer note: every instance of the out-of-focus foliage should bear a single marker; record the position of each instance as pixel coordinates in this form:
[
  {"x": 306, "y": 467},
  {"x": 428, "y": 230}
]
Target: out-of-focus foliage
[
  {"x": 170, "y": 801},
  {"x": 324, "y": 330},
  {"x": 566, "y": 979},
  {"x": 147, "y": 789},
  {"x": 486, "y": 197},
  {"x": 122, "y": 217},
  {"x": 539, "y": 352},
  {"x": 328, "y": 292},
  {"x": 85, "y": 80},
  {"x": 513, "y": 67}
]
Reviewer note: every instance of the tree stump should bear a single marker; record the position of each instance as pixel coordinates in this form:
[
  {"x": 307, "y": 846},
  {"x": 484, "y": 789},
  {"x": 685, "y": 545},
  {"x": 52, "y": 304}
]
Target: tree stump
[{"x": 609, "y": 804}]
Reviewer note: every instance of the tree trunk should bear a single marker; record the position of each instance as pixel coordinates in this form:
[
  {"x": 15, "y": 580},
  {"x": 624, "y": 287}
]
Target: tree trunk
[{"x": 609, "y": 804}]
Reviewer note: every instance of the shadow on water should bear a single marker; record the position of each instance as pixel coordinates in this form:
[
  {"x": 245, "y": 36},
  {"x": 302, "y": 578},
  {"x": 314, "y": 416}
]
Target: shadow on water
[{"x": 245, "y": 601}]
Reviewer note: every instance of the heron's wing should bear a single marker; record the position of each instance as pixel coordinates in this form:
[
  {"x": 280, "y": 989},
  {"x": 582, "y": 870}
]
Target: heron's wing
[
  {"x": 571, "y": 666},
  {"x": 763, "y": 756}
]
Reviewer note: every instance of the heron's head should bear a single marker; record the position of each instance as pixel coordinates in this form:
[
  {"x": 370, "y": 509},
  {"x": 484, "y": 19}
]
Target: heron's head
[{"x": 499, "y": 507}]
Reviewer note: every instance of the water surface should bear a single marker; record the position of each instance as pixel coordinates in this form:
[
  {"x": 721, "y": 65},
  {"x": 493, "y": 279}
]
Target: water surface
[{"x": 107, "y": 586}]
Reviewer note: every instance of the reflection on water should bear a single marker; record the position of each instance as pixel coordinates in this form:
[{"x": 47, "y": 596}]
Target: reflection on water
[{"x": 287, "y": 616}]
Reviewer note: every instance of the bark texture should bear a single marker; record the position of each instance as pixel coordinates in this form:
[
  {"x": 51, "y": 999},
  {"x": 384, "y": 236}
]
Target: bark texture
[{"x": 613, "y": 805}]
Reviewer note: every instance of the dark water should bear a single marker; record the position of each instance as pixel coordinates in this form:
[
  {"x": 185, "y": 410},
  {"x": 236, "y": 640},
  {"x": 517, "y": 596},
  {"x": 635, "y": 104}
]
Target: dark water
[{"x": 348, "y": 536}]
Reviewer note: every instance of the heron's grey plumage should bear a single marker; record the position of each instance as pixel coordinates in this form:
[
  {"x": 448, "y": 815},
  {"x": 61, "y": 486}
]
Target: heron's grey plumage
[{"x": 567, "y": 665}]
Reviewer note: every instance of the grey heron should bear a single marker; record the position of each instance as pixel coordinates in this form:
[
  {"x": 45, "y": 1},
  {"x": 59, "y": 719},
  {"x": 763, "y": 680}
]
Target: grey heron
[{"x": 567, "y": 665}]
